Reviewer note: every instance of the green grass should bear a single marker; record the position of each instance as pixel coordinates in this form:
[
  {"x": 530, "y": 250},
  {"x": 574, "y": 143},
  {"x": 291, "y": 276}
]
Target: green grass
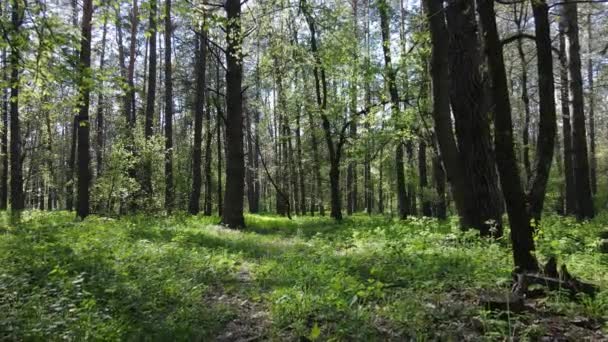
[{"x": 185, "y": 278}]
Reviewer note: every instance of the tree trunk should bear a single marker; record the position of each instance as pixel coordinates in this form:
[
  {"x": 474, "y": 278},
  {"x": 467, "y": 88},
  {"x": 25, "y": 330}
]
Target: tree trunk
[
  {"x": 470, "y": 108},
  {"x": 423, "y": 181},
  {"x": 17, "y": 200},
  {"x": 199, "y": 109},
  {"x": 169, "y": 196},
  {"x": 441, "y": 110},
  {"x": 131, "y": 68},
  {"x": 591, "y": 96},
  {"x": 208, "y": 158},
  {"x": 100, "y": 104},
  {"x": 4, "y": 137},
  {"x": 300, "y": 166},
  {"x": 403, "y": 205},
  {"x": 84, "y": 173},
  {"x": 570, "y": 199},
  {"x": 547, "y": 125},
  {"x": 585, "y": 208},
  {"x": 524, "y": 96},
  {"x": 521, "y": 231},
  {"x": 235, "y": 163},
  {"x": 220, "y": 123},
  {"x": 146, "y": 182}
]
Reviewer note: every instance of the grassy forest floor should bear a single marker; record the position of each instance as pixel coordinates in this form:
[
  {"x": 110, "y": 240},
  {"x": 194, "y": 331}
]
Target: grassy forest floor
[{"x": 369, "y": 278}]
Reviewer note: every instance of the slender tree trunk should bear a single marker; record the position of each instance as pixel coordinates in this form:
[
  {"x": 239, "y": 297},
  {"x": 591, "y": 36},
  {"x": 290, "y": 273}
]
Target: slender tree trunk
[
  {"x": 150, "y": 100},
  {"x": 585, "y": 208},
  {"x": 220, "y": 191},
  {"x": 423, "y": 181},
  {"x": 302, "y": 185},
  {"x": 208, "y": 159},
  {"x": 199, "y": 108},
  {"x": 235, "y": 161},
  {"x": 17, "y": 198},
  {"x": 470, "y": 108},
  {"x": 100, "y": 103},
  {"x": 591, "y": 96},
  {"x": 131, "y": 68},
  {"x": 524, "y": 94},
  {"x": 403, "y": 205},
  {"x": 570, "y": 200},
  {"x": 547, "y": 125},
  {"x": 84, "y": 173},
  {"x": 521, "y": 231},
  {"x": 4, "y": 137},
  {"x": 440, "y": 207},
  {"x": 169, "y": 191}
]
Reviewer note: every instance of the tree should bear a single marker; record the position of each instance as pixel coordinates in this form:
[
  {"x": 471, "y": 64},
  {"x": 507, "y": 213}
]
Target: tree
[
  {"x": 232, "y": 215},
  {"x": 585, "y": 208},
  {"x": 84, "y": 85},
  {"x": 17, "y": 15},
  {"x": 199, "y": 109},
  {"x": 519, "y": 219},
  {"x": 169, "y": 189},
  {"x": 146, "y": 182}
]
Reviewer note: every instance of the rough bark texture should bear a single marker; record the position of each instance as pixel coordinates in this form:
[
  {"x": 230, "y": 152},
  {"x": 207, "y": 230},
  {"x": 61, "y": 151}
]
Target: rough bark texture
[
  {"x": 470, "y": 108},
  {"x": 423, "y": 180},
  {"x": 441, "y": 109},
  {"x": 570, "y": 200},
  {"x": 521, "y": 231},
  {"x": 84, "y": 173},
  {"x": 17, "y": 200},
  {"x": 547, "y": 125},
  {"x": 169, "y": 192},
  {"x": 591, "y": 96},
  {"x": 579, "y": 136},
  {"x": 199, "y": 108},
  {"x": 235, "y": 161},
  {"x": 4, "y": 136}
]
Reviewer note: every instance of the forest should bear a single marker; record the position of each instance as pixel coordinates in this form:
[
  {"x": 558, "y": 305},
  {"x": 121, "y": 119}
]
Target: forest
[{"x": 303, "y": 170}]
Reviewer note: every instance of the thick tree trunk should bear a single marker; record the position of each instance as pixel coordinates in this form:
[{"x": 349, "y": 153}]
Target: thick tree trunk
[
  {"x": 403, "y": 205},
  {"x": 84, "y": 173},
  {"x": 547, "y": 125},
  {"x": 199, "y": 109},
  {"x": 441, "y": 110},
  {"x": 235, "y": 161},
  {"x": 169, "y": 191},
  {"x": 521, "y": 231},
  {"x": 585, "y": 208},
  {"x": 440, "y": 207},
  {"x": 471, "y": 112},
  {"x": 570, "y": 200}
]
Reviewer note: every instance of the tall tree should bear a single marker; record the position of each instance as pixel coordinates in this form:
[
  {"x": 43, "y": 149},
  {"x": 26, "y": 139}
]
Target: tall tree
[
  {"x": 519, "y": 219},
  {"x": 591, "y": 96},
  {"x": 235, "y": 160},
  {"x": 4, "y": 133},
  {"x": 84, "y": 173},
  {"x": 570, "y": 200},
  {"x": 547, "y": 125},
  {"x": 585, "y": 208},
  {"x": 169, "y": 196},
  {"x": 100, "y": 102},
  {"x": 150, "y": 98},
  {"x": 471, "y": 114},
  {"x": 402, "y": 201},
  {"x": 200, "y": 66},
  {"x": 17, "y": 198}
]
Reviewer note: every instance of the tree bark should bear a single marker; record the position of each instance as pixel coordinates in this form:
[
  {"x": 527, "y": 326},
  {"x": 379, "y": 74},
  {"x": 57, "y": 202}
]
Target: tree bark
[
  {"x": 521, "y": 231},
  {"x": 146, "y": 182},
  {"x": 100, "y": 104},
  {"x": 591, "y": 96},
  {"x": 423, "y": 180},
  {"x": 169, "y": 191},
  {"x": 441, "y": 110},
  {"x": 235, "y": 161},
  {"x": 4, "y": 136},
  {"x": 570, "y": 200},
  {"x": 470, "y": 108},
  {"x": 84, "y": 173},
  {"x": 547, "y": 125},
  {"x": 402, "y": 201},
  {"x": 199, "y": 112},
  {"x": 585, "y": 208},
  {"x": 17, "y": 199}
]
